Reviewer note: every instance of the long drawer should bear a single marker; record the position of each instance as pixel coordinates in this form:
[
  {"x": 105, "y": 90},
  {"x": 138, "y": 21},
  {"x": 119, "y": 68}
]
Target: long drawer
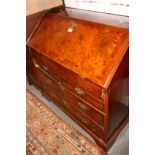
[
  {"x": 77, "y": 116},
  {"x": 68, "y": 80},
  {"x": 68, "y": 99}
]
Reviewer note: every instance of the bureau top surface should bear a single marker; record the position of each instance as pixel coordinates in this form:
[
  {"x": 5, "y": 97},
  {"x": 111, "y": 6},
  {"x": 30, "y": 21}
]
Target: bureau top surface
[{"x": 89, "y": 49}]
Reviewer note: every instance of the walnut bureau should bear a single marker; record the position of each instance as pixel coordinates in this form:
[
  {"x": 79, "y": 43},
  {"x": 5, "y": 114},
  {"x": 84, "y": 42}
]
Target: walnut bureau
[{"x": 82, "y": 67}]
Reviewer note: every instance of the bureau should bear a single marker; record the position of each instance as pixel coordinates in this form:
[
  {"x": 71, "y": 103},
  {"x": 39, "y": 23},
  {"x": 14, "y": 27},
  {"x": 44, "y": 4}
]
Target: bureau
[{"x": 82, "y": 67}]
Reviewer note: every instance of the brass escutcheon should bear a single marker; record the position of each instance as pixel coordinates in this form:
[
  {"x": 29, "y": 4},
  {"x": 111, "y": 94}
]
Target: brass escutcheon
[
  {"x": 79, "y": 91},
  {"x": 82, "y": 106}
]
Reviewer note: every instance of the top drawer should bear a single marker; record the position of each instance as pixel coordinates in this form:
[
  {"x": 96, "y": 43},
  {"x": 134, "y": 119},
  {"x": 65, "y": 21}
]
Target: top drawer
[{"x": 82, "y": 87}]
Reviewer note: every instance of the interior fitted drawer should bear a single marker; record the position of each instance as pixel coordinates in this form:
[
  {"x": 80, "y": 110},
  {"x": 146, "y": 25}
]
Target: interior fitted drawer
[
  {"x": 69, "y": 80},
  {"x": 51, "y": 85}
]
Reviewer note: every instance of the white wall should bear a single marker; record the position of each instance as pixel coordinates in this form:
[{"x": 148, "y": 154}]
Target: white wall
[
  {"x": 120, "y": 7},
  {"x": 33, "y": 6}
]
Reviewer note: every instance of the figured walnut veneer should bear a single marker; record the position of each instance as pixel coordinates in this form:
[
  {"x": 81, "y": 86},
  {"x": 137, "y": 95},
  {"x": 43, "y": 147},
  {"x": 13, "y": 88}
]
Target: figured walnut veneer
[
  {"x": 91, "y": 50},
  {"x": 83, "y": 67}
]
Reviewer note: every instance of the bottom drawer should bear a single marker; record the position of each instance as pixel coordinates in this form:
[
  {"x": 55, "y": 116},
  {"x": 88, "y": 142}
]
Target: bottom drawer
[{"x": 75, "y": 114}]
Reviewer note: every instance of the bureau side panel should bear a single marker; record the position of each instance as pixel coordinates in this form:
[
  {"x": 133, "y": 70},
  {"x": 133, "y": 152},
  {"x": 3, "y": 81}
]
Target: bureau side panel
[
  {"x": 30, "y": 74},
  {"x": 118, "y": 104}
]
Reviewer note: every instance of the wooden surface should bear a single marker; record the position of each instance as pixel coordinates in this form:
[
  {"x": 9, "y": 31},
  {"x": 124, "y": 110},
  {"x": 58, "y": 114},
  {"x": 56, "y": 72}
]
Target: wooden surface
[
  {"x": 91, "y": 50},
  {"x": 68, "y": 98},
  {"x": 119, "y": 95},
  {"x": 87, "y": 66},
  {"x": 69, "y": 80}
]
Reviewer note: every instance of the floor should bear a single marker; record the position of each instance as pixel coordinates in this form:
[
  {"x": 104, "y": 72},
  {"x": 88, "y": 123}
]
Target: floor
[{"x": 121, "y": 145}]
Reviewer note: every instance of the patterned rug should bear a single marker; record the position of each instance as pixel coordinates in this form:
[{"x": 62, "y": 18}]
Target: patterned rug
[{"x": 48, "y": 134}]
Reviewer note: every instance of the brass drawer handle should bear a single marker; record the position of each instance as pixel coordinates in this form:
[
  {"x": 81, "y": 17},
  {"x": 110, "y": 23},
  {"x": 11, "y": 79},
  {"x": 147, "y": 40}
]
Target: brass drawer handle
[
  {"x": 61, "y": 86},
  {"x": 64, "y": 102},
  {"x": 79, "y": 91},
  {"x": 35, "y": 63},
  {"x": 82, "y": 106},
  {"x": 102, "y": 94},
  {"x": 82, "y": 120},
  {"x": 71, "y": 28},
  {"x": 73, "y": 24}
]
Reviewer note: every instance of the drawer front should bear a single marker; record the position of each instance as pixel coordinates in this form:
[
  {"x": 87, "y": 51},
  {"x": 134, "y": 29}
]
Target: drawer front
[
  {"x": 71, "y": 81},
  {"x": 33, "y": 81},
  {"x": 68, "y": 98},
  {"x": 75, "y": 114}
]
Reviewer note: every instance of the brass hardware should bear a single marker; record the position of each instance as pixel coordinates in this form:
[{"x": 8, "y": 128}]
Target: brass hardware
[
  {"x": 102, "y": 94},
  {"x": 71, "y": 28},
  {"x": 45, "y": 68},
  {"x": 73, "y": 24},
  {"x": 79, "y": 91},
  {"x": 35, "y": 64},
  {"x": 64, "y": 102},
  {"x": 83, "y": 120},
  {"x": 82, "y": 106},
  {"x": 61, "y": 86}
]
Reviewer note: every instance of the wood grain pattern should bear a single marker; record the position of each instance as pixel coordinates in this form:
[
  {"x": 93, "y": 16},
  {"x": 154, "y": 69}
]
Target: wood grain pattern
[
  {"x": 70, "y": 80},
  {"x": 68, "y": 98},
  {"x": 88, "y": 66},
  {"x": 61, "y": 97},
  {"x": 91, "y": 50}
]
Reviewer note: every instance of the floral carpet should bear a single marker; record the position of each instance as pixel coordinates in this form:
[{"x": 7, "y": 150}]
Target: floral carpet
[{"x": 48, "y": 134}]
